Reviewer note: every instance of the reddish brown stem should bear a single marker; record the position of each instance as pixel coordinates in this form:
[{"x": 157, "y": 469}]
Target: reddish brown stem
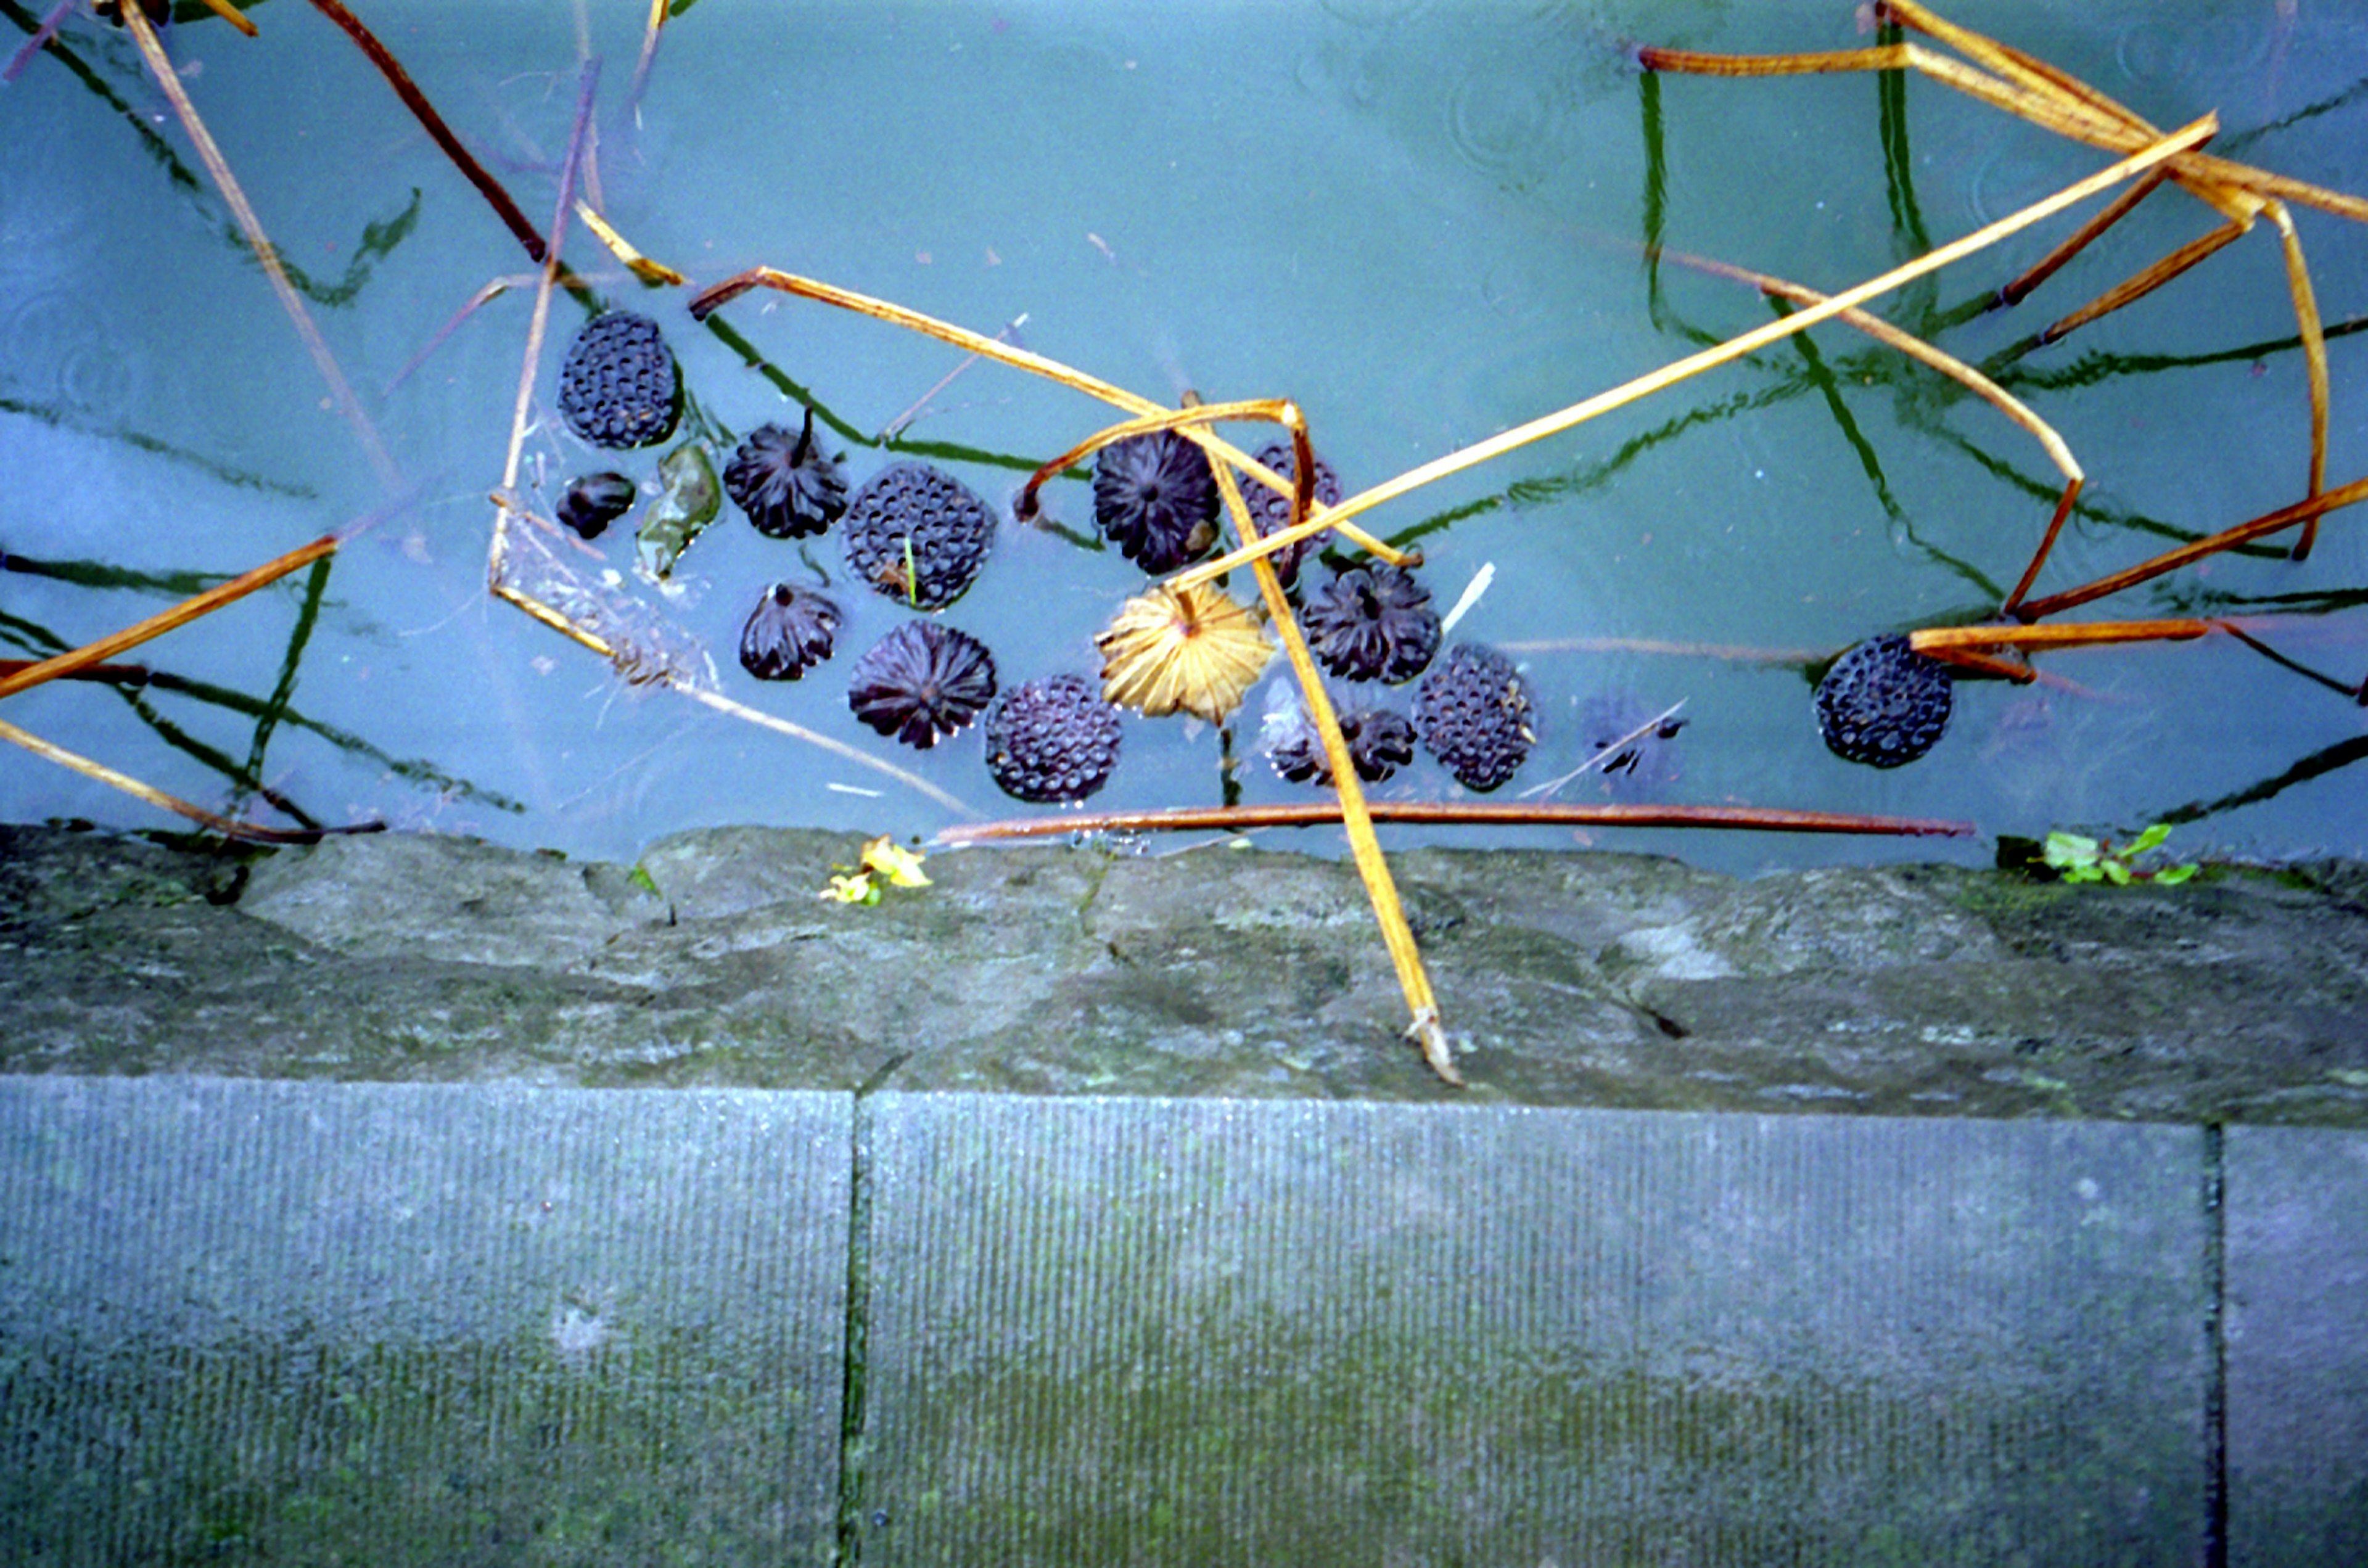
[
  {"x": 1452, "y": 813},
  {"x": 424, "y": 112}
]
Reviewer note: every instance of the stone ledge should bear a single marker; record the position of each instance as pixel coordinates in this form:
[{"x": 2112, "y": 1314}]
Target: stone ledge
[{"x": 1568, "y": 978}]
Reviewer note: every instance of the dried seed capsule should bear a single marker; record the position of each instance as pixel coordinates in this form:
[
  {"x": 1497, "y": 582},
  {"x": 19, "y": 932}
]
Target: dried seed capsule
[
  {"x": 1052, "y": 740},
  {"x": 791, "y": 630},
  {"x": 1380, "y": 741},
  {"x": 786, "y": 484},
  {"x": 619, "y": 387},
  {"x": 1155, "y": 498},
  {"x": 1271, "y": 511},
  {"x": 1374, "y": 622},
  {"x": 592, "y": 503},
  {"x": 918, "y": 534},
  {"x": 1473, "y": 711},
  {"x": 922, "y": 682},
  {"x": 1883, "y": 703}
]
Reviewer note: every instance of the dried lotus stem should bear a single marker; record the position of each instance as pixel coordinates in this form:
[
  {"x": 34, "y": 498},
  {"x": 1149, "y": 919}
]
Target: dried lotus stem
[
  {"x": 433, "y": 123},
  {"x": 1019, "y": 359},
  {"x": 136, "y": 20},
  {"x": 103, "y": 773},
  {"x": 1455, "y": 814},
  {"x": 156, "y": 625},
  {"x": 1718, "y": 353},
  {"x": 2172, "y": 560},
  {"x": 2078, "y": 634}
]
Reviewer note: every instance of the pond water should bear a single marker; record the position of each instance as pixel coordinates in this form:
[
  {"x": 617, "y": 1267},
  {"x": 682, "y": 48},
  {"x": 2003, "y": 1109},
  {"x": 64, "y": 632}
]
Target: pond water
[{"x": 1425, "y": 224}]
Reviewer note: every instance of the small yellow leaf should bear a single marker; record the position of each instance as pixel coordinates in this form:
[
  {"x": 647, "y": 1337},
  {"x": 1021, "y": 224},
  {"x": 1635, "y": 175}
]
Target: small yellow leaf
[
  {"x": 856, "y": 889},
  {"x": 901, "y": 866}
]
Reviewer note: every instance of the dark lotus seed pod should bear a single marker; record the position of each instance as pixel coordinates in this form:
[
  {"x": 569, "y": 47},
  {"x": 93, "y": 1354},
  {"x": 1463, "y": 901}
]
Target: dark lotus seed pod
[
  {"x": 785, "y": 482},
  {"x": 1271, "y": 511},
  {"x": 791, "y": 630},
  {"x": 1883, "y": 703},
  {"x": 1380, "y": 741},
  {"x": 619, "y": 386},
  {"x": 912, "y": 519},
  {"x": 1052, "y": 740},
  {"x": 1374, "y": 622},
  {"x": 593, "y": 502},
  {"x": 1155, "y": 498},
  {"x": 1473, "y": 711},
  {"x": 922, "y": 682}
]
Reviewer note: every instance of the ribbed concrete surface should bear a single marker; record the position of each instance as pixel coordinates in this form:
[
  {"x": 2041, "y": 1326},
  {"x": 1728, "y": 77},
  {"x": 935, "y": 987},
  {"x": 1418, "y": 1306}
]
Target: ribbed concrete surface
[
  {"x": 436, "y": 1324},
  {"x": 250, "y": 1322}
]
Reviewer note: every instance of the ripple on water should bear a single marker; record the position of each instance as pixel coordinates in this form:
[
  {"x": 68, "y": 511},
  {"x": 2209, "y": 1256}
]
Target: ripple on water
[{"x": 59, "y": 356}]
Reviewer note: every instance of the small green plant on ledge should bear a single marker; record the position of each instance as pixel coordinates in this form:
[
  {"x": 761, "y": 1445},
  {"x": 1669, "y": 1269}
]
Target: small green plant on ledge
[{"x": 2079, "y": 859}]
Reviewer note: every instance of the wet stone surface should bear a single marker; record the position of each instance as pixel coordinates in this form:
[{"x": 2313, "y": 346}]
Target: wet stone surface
[{"x": 1567, "y": 979}]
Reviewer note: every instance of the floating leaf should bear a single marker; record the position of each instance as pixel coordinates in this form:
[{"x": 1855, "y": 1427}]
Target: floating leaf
[{"x": 688, "y": 498}]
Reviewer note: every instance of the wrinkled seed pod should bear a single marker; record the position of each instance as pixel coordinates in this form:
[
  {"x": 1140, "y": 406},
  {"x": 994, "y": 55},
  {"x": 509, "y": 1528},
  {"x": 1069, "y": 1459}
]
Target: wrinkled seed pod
[
  {"x": 592, "y": 503},
  {"x": 1271, "y": 511},
  {"x": 618, "y": 387},
  {"x": 950, "y": 531},
  {"x": 786, "y": 484},
  {"x": 791, "y": 630},
  {"x": 1883, "y": 703},
  {"x": 1473, "y": 711},
  {"x": 922, "y": 682},
  {"x": 1156, "y": 500},
  {"x": 1380, "y": 741},
  {"x": 1372, "y": 622},
  {"x": 1052, "y": 740}
]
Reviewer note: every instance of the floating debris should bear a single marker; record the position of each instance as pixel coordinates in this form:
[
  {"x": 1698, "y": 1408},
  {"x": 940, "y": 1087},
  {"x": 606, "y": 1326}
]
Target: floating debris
[
  {"x": 1193, "y": 651},
  {"x": 593, "y": 502},
  {"x": 687, "y": 501},
  {"x": 1639, "y": 737},
  {"x": 1156, "y": 500},
  {"x": 1052, "y": 740},
  {"x": 1374, "y": 622},
  {"x": 922, "y": 682},
  {"x": 619, "y": 387},
  {"x": 1380, "y": 741},
  {"x": 918, "y": 534},
  {"x": 786, "y": 484},
  {"x": 1473, "y": 711},
  {"x": 1270, "y": 510},
  {"x": 791, "y": 630}
]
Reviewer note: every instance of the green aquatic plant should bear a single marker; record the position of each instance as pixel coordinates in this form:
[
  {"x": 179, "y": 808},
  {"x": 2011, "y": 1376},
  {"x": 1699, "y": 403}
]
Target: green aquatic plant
[{"x": 2076, "y": 858}]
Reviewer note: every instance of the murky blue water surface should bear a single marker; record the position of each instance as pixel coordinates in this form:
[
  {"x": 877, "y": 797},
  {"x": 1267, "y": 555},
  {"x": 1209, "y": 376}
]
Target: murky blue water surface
[{"x": 1425, "y": 224}]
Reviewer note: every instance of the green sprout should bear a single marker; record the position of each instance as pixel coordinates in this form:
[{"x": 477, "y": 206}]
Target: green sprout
[{"x": 2080, "y": 860}]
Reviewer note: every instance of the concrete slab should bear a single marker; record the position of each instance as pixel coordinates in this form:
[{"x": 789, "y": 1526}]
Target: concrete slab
[
  {"x": 1186, "y": 1332},
  {"x": 2296, "y": 1205},
  {"x": 418, "y": 1323}
]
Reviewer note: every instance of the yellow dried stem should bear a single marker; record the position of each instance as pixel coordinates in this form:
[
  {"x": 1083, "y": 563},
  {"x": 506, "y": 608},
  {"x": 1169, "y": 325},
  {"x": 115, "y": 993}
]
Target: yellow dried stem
[
  {"x": 265, "y": 252},
  {"x": 1348, "y": 791},
  {"x": 150, "y": 793},
  {"x": 232, "y": 15},
  {"x": 1936, "y": 638},
  {"x": 181, "y": 614},
  {"x": 1732, "y": 348},
  {"x": 640, "y": 265},
  {"x": 2314, "y": 353},
  {"x": 2021, "y": 674}
]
